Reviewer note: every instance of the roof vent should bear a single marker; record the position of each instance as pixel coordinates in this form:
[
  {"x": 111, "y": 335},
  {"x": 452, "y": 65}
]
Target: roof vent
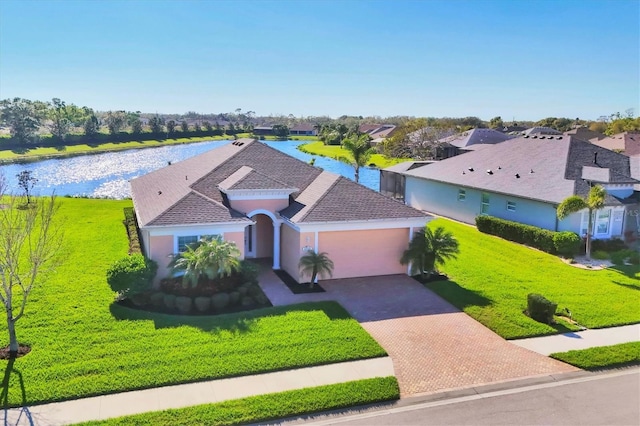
[
  {"x": 559, "y": 137},
  {"x": 463, "y": 172},
  {"x": 159, "y": 192},
  {"x": 499, "y": 168},
  {"x": 530, "y": 171},
  {"x": 535, "y": 136},
  {"x": 240, "y": 143},
  {"x": 542, "y": 137},
  {"x": 470, "y": 169},
  {"x": 517, "y": 176},
  {"x": 595, "y": 158},
  {"x": 526, "y": 136},
  {"x": 168, "y": 163},
  {"x": 186, "y": 177},
  {"x": 489, "y": 172}
]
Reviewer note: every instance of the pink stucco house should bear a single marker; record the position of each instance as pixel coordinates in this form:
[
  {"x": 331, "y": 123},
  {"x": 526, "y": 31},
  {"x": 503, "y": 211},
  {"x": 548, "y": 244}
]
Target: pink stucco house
[{"x": 272, "y": 205}]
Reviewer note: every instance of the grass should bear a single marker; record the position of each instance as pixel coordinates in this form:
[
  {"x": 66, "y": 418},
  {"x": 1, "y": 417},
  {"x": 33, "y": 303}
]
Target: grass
[
  {"x": 83, "y": 345},
  {"x": 267, "y": 407},
  {"x": 337, "y": 152},
  {"x": 605, "y": 356},
  {"x": 491, "y": 278},
  {"x": 34, "y": 154}
]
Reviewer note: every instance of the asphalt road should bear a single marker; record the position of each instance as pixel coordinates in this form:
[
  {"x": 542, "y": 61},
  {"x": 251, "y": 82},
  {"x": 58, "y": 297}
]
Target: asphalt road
[{"x": 600, "y": 399}]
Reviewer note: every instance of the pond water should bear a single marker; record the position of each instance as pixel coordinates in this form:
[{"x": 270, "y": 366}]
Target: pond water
[{"x": 107, "y": 175}]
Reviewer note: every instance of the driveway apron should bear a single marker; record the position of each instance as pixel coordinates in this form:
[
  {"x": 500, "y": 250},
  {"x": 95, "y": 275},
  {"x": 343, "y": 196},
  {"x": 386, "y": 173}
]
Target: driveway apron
[{"x": 433, "y": 345}]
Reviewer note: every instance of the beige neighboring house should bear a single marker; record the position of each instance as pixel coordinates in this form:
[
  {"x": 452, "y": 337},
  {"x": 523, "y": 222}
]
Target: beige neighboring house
[
  {"x": 627, "y": 143},
  {"x": 272, "y": 205}
]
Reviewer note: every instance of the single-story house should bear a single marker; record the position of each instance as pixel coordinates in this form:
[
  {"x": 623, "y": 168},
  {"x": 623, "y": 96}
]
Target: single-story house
[
  {"x": 625, "y": 142},
  {"x": 524, "y": 180},
  {"x": 272, "y": 205},
  {"x": 263, "y": 130},
  {"x": 304, "y": 129}
]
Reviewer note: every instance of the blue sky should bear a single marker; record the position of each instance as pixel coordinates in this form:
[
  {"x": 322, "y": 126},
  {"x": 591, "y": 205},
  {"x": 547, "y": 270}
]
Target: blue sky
[{"x": 517, "y": 59}]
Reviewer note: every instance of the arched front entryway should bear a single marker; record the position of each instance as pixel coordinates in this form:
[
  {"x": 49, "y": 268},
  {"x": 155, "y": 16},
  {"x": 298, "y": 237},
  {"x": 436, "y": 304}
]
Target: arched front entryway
[{"x": 263, "y": 239}]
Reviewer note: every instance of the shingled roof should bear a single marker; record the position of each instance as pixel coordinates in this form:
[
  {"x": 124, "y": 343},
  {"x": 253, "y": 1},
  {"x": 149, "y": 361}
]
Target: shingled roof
[
  {"x": 547, "y": 170},
  {"x": 193, "y": 191}
]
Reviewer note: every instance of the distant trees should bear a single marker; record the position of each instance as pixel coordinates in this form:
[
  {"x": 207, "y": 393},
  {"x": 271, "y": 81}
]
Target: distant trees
[
  {"x": 23, "y": 117},
  {"x": 197, "y": 127},
  {"x": 115, "y": 121},
  {"x": 560, "y": 124},
  {"x": 496, "y": 123},
  {"x": 60, "y": 123},
  {"x": 136, "y": 126},
  {"x": 91, "y": 126},
  {"x": 207, "y": 126},
  {"x": 184, "y": 126},
  {"x": 418, "y": 138},
  {"x": 171, "y": 127},
  {"x": 281, "y": 131},
  {"x": 156, "y": 123}
]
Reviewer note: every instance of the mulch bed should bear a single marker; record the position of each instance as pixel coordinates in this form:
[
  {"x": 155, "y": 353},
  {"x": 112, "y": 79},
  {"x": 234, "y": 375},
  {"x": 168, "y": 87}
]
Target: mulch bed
[
  {"x": 22, "y": 351},
  {"x": 296, "y": 287}
]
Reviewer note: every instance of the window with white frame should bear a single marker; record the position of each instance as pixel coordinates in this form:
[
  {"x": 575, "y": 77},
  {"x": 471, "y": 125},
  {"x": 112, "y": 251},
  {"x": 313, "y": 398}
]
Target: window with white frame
[
  {"x": 462, "y": 195},
  {"x": 484, "y": 208},
  {"x": 511, "y": 206}
]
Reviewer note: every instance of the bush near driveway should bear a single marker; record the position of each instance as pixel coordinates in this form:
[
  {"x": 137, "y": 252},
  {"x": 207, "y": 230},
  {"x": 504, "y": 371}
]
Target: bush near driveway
[
  {"x": 79, "y": 348},
  {"x": 491, "y": 278}
]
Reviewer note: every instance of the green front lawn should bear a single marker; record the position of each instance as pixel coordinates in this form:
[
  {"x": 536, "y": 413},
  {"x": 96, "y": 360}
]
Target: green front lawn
[
  {"x": 267, "y": 407},
  {"x": 604, "y": 356},
  {"x": 83, "y": 345},
  {"x": 337, "y": 152},
  {"x": 491, "y": 278}
]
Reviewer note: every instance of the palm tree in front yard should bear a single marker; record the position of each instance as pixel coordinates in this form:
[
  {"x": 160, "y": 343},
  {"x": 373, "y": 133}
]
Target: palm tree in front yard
[
  {"x": 315, "y": 264},
  {"x": 429, "y": 248},
  {"x": 210, "y": 257},
  {"x": 575, "y": 203},
  {"x": 360, "y": 150}
]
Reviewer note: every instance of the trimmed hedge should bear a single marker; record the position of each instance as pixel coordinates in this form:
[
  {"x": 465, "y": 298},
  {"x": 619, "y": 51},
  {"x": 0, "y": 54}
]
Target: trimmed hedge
[
  {"x": 131, "y": 275},
  {"x": 130, "y": 222},
  {"x": 566, "y": 243},
  {"x": 540, "y": 308},
  {"x": 513, "y": 231}
]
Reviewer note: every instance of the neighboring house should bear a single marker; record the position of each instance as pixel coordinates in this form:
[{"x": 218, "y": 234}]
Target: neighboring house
[
  {"x": 513, "y": 129},
  {"x": 304, "y": 129},
  {"x": 377, "y": 132},
  {"x": 525, "y": 179},
  {"x": 470, "y": 140},
  {"x": 584, "y": 133},
  {"x": 263, "y": 130},
  {"x": 272, "y": 206},
  {"x": 392, "y": 179},
  {"x": 626, "y": 142},
  {"x": 546, "y": 131}
]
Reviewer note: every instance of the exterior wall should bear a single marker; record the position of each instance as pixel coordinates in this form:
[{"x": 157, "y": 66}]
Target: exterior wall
[
  {"x": 247, "y": 206},
  {"x": 264, "y": 236},
  {"x": 160, "y": 249},
  {"x": 238, "y": 239},
  {"x": 442, "y": 199},
  {"x": 290, "y": 250},
  {"x": 365, "y": 253}
]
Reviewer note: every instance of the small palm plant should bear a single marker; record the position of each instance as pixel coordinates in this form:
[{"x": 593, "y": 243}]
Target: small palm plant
[
  {"x": 429, "y": 248},
  {"x": 315, "y": 264},
  {"x": 360, "y": 151},
  {"x": 210, "y": 257},
  {"x": 573, "y": 204}
]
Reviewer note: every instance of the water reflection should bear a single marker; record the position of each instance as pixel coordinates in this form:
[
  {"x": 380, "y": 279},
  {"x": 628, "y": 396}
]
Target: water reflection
[{"x": 107, "y": 175}]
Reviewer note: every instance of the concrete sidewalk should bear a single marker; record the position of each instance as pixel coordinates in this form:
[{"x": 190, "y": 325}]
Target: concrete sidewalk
[
  {"x": 581, "y": 339},
  {"x": 157, "y": 399}
]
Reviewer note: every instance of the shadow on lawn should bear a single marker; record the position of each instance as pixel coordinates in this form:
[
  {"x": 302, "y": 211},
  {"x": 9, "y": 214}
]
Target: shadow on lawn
[
  {"x": 630, "y": 271},
  {"x": 458, "y": 296},
  {"x": 4, "y": 396},
  {"x": 630, "y": 286},
  {"x": 240, "y": 322}
]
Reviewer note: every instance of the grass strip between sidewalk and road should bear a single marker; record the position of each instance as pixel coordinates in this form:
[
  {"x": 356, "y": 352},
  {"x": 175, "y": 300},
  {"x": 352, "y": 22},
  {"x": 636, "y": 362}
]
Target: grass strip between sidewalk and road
[
  {"x": 620, "y": 355},
  {"x": 338, "y": 153},
  {"x": 268, "y": 407}
]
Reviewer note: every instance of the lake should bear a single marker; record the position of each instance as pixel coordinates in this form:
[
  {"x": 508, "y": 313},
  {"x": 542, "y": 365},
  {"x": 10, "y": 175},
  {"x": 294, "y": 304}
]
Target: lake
[{"x": 107, "y": 175}]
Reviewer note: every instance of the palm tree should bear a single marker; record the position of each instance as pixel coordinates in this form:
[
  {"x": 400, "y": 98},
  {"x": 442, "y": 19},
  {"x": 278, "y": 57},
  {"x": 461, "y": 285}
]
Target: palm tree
[
  {"x": 360, "y": 151},
  {"x": 575, "y": 203},
  {"x": 429, "y": 248},
  {"x": 209, "y": 257},
  {"x": 315, "y": 264}
]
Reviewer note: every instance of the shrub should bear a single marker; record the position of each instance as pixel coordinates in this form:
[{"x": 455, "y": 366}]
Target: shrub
[
  {"x": 513, "y": 231},
  {"x": 157, "y": 299},
  {"x": 234, "y": 297},
  {"x": 600, "y": 255},
  {"x": 131, "y": 275},
  {"x": 183, "y": 304},
  {"x": 202, "y": 303},
  {"x": 249, "y": 272},
  {"x": 566, "y": 243},
  {"x": 131, "y": 224},
  {"x": 540, "y": 308},
  {"x": 634, "y": 258},
  {"x": 220, "y": 300},
  {"x": 614, "y": 244},
  {"x": 170, "y": 301}
]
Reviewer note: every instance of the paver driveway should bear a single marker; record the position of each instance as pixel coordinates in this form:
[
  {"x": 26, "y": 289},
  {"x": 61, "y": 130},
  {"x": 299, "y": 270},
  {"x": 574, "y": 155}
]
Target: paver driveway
[{"x": 434, "y": 346}]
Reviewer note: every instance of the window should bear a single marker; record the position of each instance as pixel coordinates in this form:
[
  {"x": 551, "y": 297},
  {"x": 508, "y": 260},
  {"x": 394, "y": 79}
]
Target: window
[
  {"x": 602, "y": 222},
  {"x": 511, "y": 206},
  {"x": 462, "y": 195},
  {"x": 484, "y": 209},
  {"x": 183, "y": 242},
  {"x": 584, "y": 224}
]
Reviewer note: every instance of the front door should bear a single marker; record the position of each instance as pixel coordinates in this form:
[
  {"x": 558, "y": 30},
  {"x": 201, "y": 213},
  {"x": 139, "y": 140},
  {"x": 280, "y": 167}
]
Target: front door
[{"x": 250, "y": 241}]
